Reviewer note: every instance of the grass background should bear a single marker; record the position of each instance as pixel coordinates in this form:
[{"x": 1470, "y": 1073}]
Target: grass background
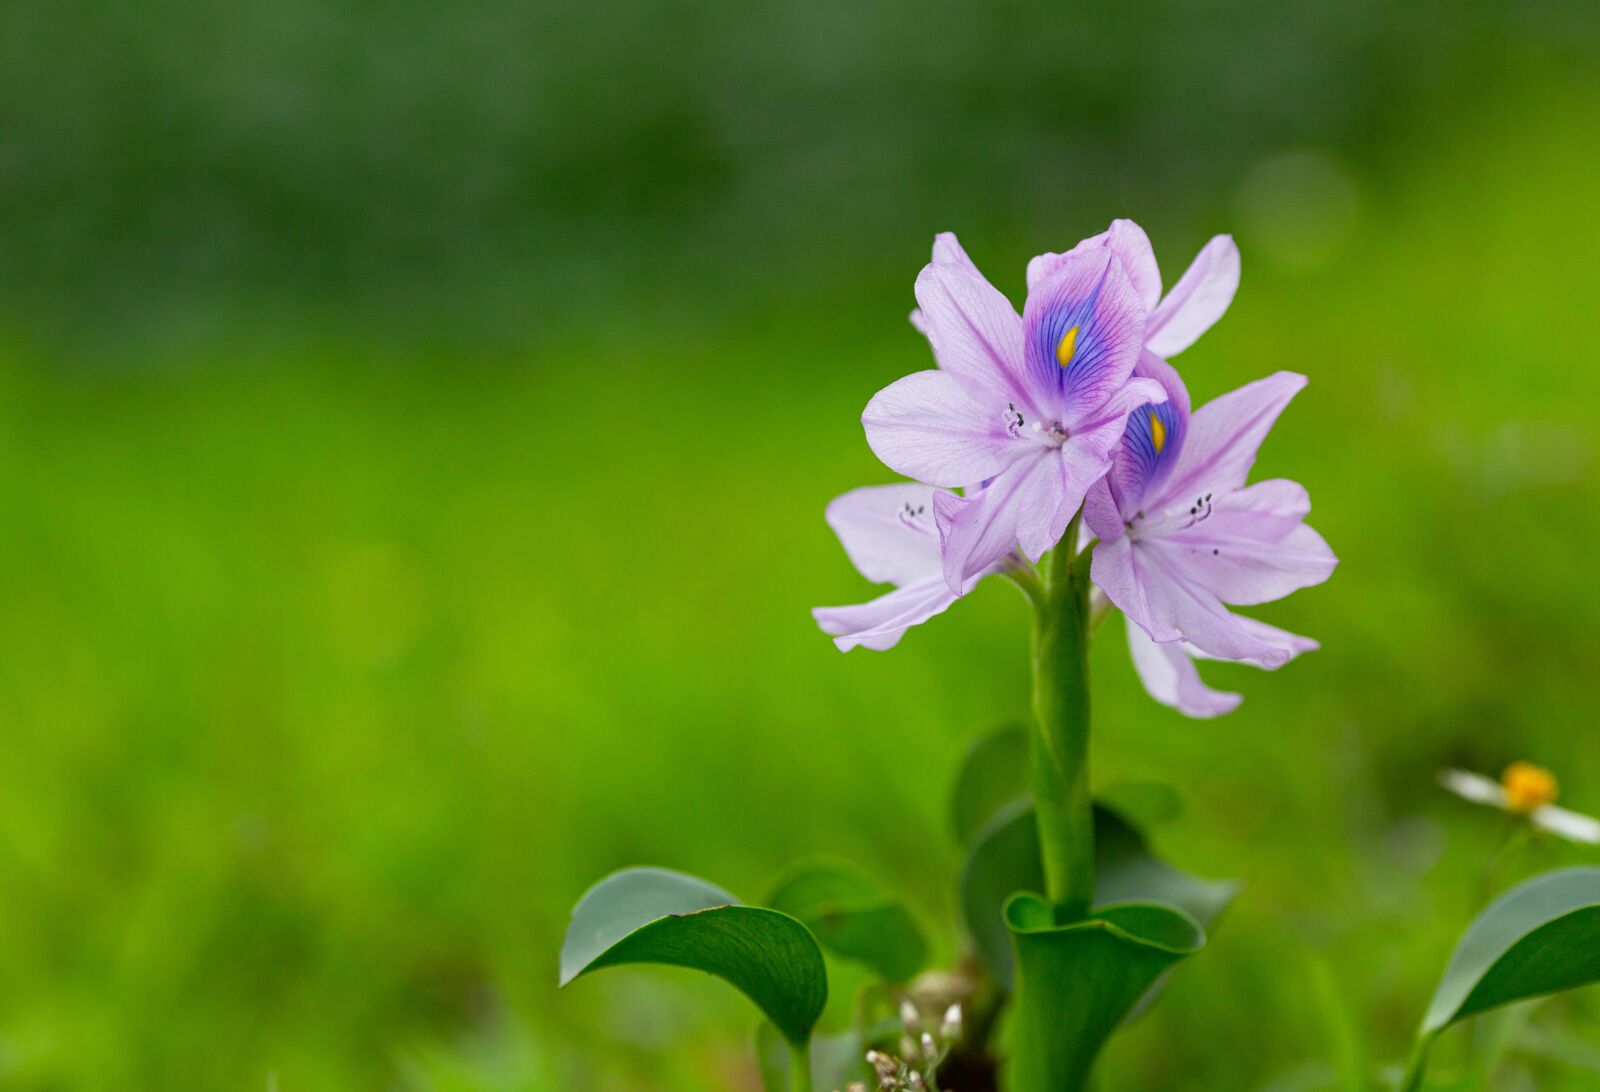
[{"x": 414, "y": 431}]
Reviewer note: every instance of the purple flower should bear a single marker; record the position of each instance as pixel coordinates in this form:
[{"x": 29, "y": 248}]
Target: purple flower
[
  {"x": 889, "y": 533},
  {"x": 1030, "y": 407},
  {"x": 1197, "y": 301},
  {"x": 1181, "y": 535}
]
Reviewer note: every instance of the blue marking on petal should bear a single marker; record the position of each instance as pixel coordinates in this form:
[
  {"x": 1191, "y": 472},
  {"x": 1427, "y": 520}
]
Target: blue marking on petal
[
  {"x": 1150, "y": 447},
  {"x": 1091, "y": 294}
]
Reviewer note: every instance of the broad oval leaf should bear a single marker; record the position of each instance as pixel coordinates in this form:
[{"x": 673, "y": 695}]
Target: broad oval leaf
[
  {"x": 1540, "y": 937},
  {"x": 993, "y": 774},
  {"x": 1076, "y": 982},
  {"x": 653, "y": 915},
  {"x": 1004, "y": 859},
  {"x": 853, "y": 916}
]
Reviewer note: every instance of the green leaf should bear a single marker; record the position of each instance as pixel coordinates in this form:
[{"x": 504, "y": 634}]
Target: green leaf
[
  {"x": 1004, "y": 859},
  {"x": 1538, "y": 938},
  {"x": 993, "y": 774},
  {"x": 853, "y": 916},
  {"x": 651, "y": 915},
  {"x": 1075, "y": 982},
  {"x": 1143, "y": 803}
]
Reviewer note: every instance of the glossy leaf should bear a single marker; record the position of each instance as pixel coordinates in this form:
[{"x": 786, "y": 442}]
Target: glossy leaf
[
  {"x": 853, "y": 916},
  {"x": 652, "y": 915},
  {"x": 993, "y": 775},
  {"x": 1538, "y": 938},
  {"x": 1076, "y": 982},
  {"x": 1004, "y": 859}
]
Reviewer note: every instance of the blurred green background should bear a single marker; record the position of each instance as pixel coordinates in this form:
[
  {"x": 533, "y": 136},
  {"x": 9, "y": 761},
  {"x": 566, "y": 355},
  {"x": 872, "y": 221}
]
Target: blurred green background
[{"x": 415, "y": 424}]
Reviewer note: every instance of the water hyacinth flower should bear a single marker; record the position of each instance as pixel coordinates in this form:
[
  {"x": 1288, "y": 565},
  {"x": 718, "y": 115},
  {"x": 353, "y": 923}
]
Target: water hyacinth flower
[
  {"x": 889, "y": 534},
  {"x": 1030, "y": 407},
  {"x": 1182, "y": 536},
  {"x": 1526, "y": 790}
]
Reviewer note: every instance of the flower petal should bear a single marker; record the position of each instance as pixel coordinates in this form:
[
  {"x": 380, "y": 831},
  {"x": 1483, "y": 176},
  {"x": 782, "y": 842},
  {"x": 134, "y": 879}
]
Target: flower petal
[
  {"x": 925, "y": 426},
  {"x": 1170, "y": 677},
  {"x": 879, "y": 624},
  {"x": 1197, "y": 301},
  {"x": 1151, "y": 582},
  {"x": 1223, "y": 437},
  {"x": 1474, "y": 787},
  {"x": 975, "y": 332},
  {"x": 1086, "y": 314},
  {"x": 1254, "y": 548},
  {"x": 1129, "y": 243},
  {"x": 1568, "y": 824},
  {"x": 888, "y": 531},
  {"x": 1022, "y": 507}
]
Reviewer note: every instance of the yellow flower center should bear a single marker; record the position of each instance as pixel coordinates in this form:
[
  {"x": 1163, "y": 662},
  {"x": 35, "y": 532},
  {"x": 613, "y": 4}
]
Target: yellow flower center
[
  {"x": 1068, "y": 347},
  {"x": 1528, "y": 787},
  {"x": 1158, "y": 433}
]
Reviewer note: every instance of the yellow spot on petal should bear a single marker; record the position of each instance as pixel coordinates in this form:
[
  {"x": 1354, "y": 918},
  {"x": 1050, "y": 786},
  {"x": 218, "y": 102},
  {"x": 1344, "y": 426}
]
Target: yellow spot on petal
[
  {"x": 1158, "y": 433},
  {"x": 1528, "y": 787},
  {"x": 1068, "y": 347}
]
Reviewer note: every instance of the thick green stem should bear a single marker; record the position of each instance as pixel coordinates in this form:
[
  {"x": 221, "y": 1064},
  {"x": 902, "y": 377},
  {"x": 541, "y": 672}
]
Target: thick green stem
[
  {"x": 1417, "y": 1066},
  {"x": 799, "y": 1068},
  {"x": 1060, "y": 748}
]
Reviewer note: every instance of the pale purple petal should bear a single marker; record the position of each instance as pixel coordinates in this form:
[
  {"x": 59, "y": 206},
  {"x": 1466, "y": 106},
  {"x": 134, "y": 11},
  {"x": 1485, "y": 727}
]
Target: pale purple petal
[
  {"x": 1149, "y": 580},
  {"x": 1020, "y": 507},
  {"x": 879, "y": 624},
  {"x": 1223, "y": 437},
  {"x": 1170, "y": 677},
  {"x": 1198, "y": 300},
  {"x": 888, "y": 531},
  {"x": 1129, "y": 243},
  {"x": 1084, "y": 312},
  {"x": 1253, "y": 548},
  {"x": 1290, "y": 643},
  {"x": 1101, "y": 513},
  {"x": 975, "y": 332},
  {"x": 925, "y": 426}
]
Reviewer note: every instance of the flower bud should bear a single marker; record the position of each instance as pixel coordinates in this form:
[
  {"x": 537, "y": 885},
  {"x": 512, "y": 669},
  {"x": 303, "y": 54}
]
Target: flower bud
[{"x": 950, "y": 1030}]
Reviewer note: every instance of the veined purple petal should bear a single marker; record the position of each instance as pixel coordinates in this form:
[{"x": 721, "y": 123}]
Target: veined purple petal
[
  {"x": 1180, "y": 603},
  {"x": 880, "y": 623},
  {"x": 1247, "y": 558},
  {"x": 1291, "y": 643},
  {"x": 926, "y": 426},
  {"x": 1170, "y": 677},
  {"x": 1129, "y": 243},
  {"x": 1197, "y": 301},
  {"x": 1084, "y": 329},
  {"x": 975, "y": 332},
  {"x": 888, "y": 531},
  {"x": 1223, "y": 437},
  {"x": 1153, "y": 589},
  {"x": 1020, "y": 507}
]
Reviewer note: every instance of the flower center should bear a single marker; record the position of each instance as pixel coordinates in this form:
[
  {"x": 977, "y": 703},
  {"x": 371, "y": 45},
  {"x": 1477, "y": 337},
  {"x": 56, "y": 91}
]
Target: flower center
[
  {"x": 1053, "y": 433},
  {"x": 1528, "y": 787}
]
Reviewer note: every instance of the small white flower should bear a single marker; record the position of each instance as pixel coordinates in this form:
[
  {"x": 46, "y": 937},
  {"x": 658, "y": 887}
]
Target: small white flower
[{"x": 1527, "y": 790}]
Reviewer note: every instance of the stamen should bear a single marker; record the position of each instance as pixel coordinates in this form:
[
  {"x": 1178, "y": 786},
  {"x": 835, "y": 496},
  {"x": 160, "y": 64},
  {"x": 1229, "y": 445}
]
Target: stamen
[{"x": 1068, "y": 347}]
